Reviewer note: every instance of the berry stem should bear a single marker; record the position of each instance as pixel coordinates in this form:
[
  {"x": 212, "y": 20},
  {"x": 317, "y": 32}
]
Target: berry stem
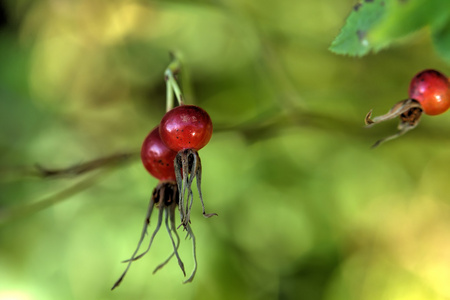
[
  {"x": 169, "y": 96},
  {"x": 171, "y": 83}
]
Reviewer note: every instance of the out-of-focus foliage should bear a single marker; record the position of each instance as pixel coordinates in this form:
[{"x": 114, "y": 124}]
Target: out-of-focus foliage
[
  {"x": 376, "y": 24},
  {"x": 306, "y": 209}
]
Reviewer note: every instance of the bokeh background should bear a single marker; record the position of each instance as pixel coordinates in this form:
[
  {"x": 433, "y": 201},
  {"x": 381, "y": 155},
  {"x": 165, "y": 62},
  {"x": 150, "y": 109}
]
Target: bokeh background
[{"x": 306, "y": 209}]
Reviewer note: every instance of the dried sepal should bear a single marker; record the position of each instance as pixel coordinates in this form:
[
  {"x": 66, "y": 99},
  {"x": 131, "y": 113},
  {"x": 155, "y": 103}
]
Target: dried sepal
[
  {"x": 165, "y": 197},
  {"x": 408, "y": 110},
  {"x": 187, "y": 168},
  {"x": 191, "y": 235},
  {"x": 397, "y": 110},
  {"x": 170, "y": 214}
]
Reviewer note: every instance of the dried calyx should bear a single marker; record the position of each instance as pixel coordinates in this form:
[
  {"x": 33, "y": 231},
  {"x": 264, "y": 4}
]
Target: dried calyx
[
  {"x": 408, "y": 110},
  {"x": 165, "y": 198}
]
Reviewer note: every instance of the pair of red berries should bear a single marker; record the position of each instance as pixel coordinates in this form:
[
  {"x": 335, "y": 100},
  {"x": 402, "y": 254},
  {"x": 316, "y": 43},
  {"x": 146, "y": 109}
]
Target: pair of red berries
[
  {"x": 169, "y": 153},
  {"x": 429, "y": 92},
  {"x": 184, "y": 127}
]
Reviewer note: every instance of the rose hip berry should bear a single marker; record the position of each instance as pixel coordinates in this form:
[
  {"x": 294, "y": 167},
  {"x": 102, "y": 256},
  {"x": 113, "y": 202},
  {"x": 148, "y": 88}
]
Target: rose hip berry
[
  {"x": 186, "y": 127},
  {"x": 429, "y": 92},
  {"x": 432, "y": 90},
  {"x": 157, "y": 158}
]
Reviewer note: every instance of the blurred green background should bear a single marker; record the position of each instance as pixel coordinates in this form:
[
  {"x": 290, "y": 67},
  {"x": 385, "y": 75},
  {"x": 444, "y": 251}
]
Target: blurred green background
[{"x": 306, "y": 209}]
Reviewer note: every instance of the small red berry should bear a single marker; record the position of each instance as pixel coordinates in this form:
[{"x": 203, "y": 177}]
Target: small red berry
[
  {"x": 432, "y": 90},
  {"x": 186, "y": 127},
  {"x": 157, "y": 158}
]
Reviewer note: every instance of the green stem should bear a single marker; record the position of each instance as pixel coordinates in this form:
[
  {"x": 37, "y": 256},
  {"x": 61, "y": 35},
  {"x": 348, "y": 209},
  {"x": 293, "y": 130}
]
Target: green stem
[
  {"x": 172, "y": 84},
  {"x": 169, "y": 96}
]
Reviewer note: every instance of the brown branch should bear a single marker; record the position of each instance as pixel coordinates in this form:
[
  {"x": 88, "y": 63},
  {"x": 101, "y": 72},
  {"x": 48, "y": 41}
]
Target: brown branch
[
  {"x": 10, "y": 214},
  {"x": 107, "y": 163},
  {"x": 80, "y": 169}
]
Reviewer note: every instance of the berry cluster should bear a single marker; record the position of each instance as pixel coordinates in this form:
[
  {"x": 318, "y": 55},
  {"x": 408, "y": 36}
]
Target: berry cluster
[
  {"x": 429, "y": 92},
  {"x": 170, "y": 154}
]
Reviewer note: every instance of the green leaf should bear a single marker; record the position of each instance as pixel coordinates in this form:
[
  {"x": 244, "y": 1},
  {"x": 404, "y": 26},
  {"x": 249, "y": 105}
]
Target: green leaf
[
  {"x": 441, "y": 39},
  {"x": 352, "y": 38},
  {"x": 405, "y": 17},
  {"x": 378, "y": 24}
]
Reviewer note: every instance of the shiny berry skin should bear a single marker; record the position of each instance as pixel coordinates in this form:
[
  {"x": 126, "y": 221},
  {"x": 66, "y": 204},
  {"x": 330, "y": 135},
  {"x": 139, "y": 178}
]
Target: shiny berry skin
[
  {"x": 186, "y": 127},
  {"x": 432, "y": 90},
  {"x": 157, "y": 158}
]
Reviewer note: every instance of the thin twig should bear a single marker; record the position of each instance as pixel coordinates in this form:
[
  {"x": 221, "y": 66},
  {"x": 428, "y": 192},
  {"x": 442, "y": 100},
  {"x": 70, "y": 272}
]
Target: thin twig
[
  {"x": 80, "y": 169},
  {"x": 10, "y": 214}
]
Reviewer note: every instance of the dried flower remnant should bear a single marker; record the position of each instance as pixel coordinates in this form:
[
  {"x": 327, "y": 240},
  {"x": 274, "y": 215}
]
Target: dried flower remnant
[{"x": 165, "y": 198}]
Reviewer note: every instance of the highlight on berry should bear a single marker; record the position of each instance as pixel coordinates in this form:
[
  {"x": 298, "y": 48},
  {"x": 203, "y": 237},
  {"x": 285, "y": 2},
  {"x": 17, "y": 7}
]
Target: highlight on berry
[{"x": 429, "y": 93}]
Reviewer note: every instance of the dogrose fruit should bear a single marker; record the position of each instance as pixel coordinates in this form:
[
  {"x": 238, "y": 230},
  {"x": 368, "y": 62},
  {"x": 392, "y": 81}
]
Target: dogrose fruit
[
  {"x": 429, "y": 93},
  {"x": 432, "y": 90},
  {"x": 186, "y": 127},
  {"x": 157, "y": 158}
]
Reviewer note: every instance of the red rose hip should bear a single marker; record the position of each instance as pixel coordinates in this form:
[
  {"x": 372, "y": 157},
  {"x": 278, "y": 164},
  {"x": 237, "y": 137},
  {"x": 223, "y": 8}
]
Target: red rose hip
[
  {"x": 157, "y": 158},
  {"x": 186, "y": 127},
  {"x": 432, "y": 90}
]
